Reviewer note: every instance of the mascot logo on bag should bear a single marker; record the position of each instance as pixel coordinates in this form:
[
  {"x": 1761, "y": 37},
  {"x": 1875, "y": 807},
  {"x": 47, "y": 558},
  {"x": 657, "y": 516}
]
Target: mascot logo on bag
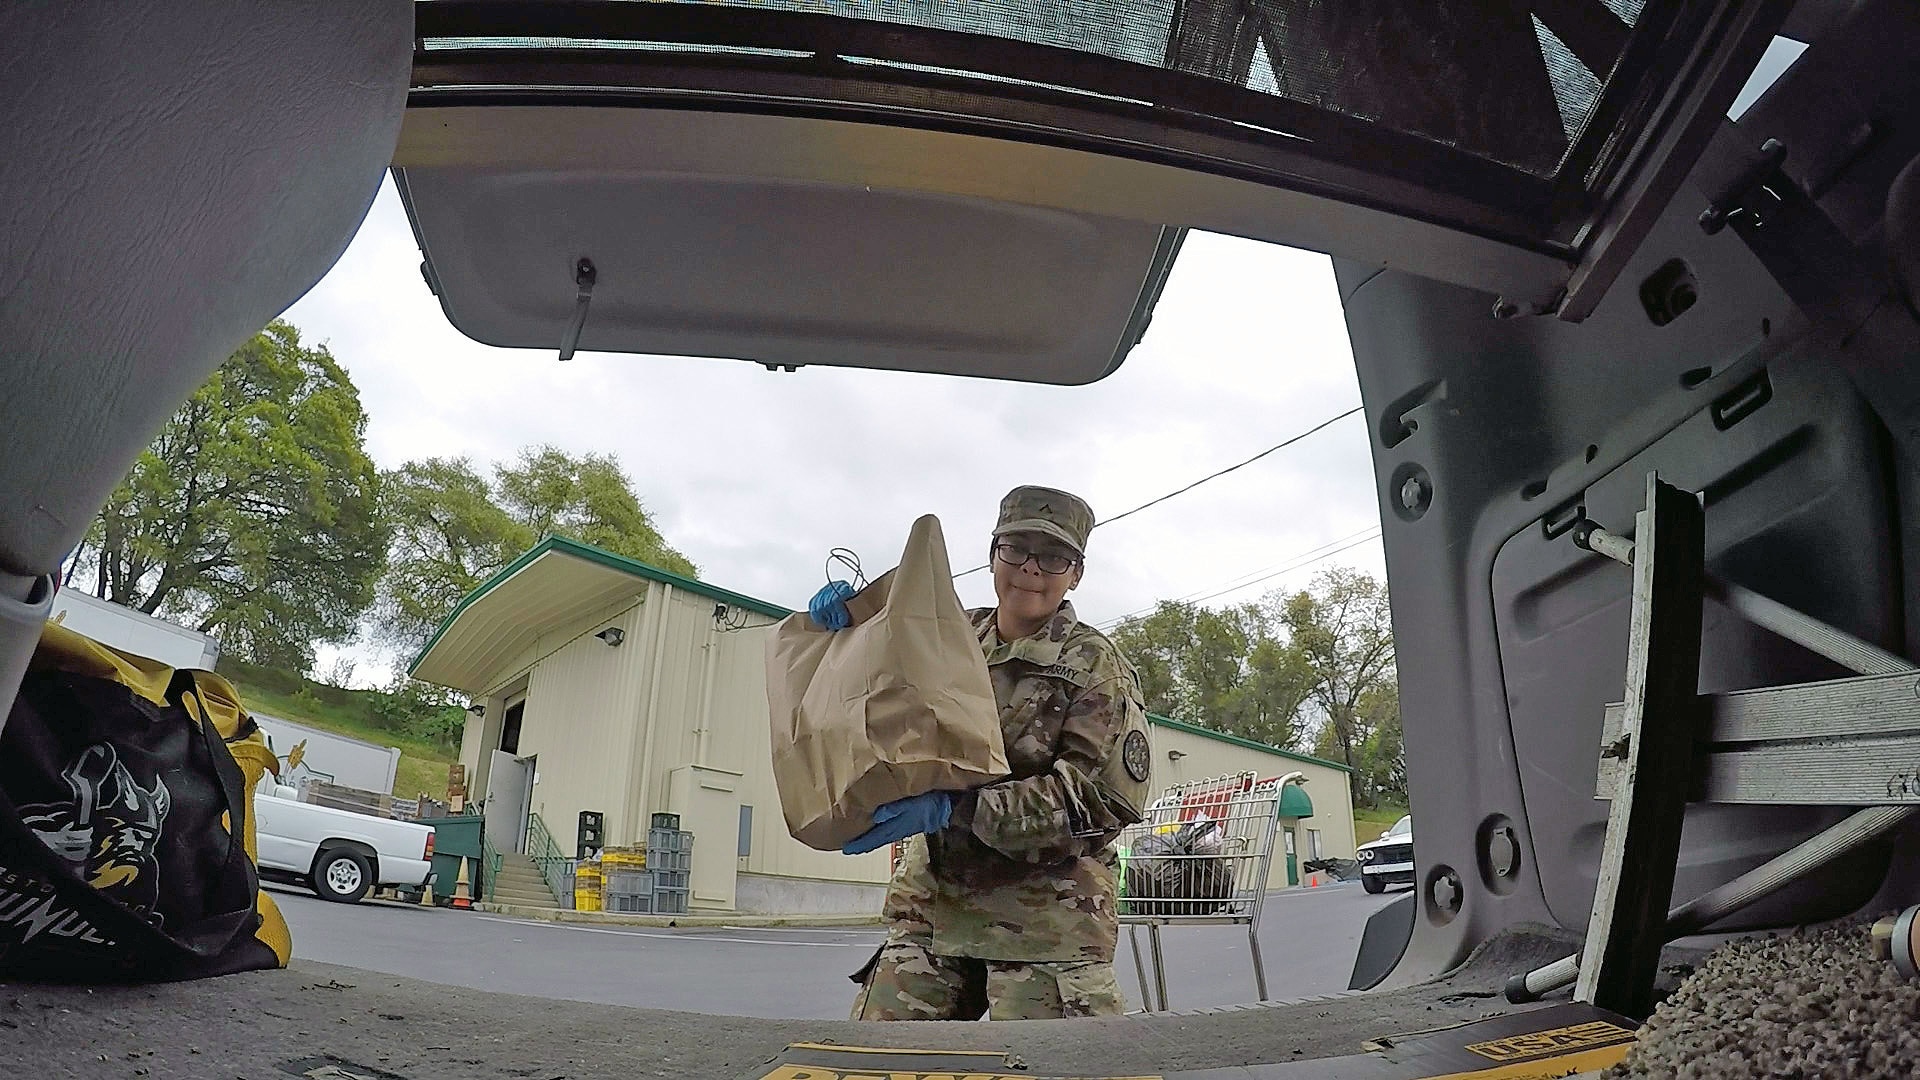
[{"x": 110, "y": 829}]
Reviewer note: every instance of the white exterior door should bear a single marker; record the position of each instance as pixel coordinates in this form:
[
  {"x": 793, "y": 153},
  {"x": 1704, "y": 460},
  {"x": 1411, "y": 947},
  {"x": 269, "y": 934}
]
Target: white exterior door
[{"x": 509, "y": 790}]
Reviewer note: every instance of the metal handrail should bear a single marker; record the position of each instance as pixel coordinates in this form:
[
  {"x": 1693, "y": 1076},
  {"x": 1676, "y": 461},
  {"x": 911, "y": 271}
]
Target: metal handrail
[
  {"x": 488, "y": 863},
  {"x": 489, "y": 866},
  {"x": 546, "y": 855}
]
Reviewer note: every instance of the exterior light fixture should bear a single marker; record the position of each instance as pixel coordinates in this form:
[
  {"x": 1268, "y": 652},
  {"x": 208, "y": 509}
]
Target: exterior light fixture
[
  {"x": 478, "y": 708},
  {"x": 612, "y": 635},
  {"x": 1176, "y": 755}
]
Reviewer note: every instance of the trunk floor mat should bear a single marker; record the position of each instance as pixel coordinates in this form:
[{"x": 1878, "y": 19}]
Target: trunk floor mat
[{"x": 321, "y": 1020}]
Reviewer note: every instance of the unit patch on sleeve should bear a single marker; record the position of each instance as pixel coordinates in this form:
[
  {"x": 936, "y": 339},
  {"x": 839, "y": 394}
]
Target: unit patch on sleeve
[{"x": 1137, "y": 756}]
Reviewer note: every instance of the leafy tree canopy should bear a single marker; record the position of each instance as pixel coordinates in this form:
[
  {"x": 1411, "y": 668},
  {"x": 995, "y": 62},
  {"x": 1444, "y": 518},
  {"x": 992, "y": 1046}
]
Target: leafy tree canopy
[
  {"x": 454, "y": 527},
  {"x": 1313, "y": 666},
  {"x": 254, "y": 515}
]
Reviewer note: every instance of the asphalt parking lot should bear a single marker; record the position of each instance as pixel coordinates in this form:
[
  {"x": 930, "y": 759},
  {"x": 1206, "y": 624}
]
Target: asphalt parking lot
[{"x": 1308, "y": 937}]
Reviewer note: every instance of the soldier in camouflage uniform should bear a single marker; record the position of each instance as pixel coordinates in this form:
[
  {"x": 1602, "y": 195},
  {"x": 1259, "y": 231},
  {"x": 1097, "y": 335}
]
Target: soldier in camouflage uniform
[{"x": 1011, "y": 909}]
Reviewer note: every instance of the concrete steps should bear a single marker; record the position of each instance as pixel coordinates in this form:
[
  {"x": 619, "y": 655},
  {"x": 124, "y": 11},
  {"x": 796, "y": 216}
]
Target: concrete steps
[
  {"x": 523, "y": 897},
  {"x": 519, "y": 883}
]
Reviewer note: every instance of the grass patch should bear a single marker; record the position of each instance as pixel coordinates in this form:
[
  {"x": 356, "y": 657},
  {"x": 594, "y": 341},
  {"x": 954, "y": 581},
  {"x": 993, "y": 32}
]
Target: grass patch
[
  {"x": 353, "y": 713},
  {"x": 419, "y": 775},
  {"x": 1369, "y": 824}
]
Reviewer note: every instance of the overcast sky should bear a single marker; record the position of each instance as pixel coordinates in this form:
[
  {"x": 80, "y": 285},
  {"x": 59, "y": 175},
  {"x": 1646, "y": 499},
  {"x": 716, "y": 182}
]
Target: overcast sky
[{"x": 755, "y": 475}]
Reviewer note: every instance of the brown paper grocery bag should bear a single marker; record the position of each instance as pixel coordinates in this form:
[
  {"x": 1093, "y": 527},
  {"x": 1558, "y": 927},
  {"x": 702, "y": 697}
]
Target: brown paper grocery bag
[{"x": 897, "y": 704}]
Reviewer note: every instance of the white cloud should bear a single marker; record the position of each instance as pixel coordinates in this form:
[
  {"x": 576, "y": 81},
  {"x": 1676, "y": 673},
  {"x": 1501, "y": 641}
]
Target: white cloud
[{"x": 755, "y": 475}]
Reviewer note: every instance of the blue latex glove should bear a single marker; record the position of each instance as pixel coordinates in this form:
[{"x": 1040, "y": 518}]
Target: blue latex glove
[
  {"x": 903, "y": 818},
  {"x": 828, "y": 608}
]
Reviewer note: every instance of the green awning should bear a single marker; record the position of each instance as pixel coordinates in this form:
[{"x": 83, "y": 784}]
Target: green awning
[{"x": 1294, "y": 802}]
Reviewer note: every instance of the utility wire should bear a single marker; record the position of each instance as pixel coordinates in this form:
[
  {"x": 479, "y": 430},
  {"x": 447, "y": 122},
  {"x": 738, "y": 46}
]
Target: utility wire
[
  {"x": 1367, "y": 533},
  {"x": 1329, "y": 422},
  {"x": 1215, "y": 476},
  {"x": 1300, "y": 562},
  {"x": 1266, "y": 573},
  {"x": 1368, "y": 539}
]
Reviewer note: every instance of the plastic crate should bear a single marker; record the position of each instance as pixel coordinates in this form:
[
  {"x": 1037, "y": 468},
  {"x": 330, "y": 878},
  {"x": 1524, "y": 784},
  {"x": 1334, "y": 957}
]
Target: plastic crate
[
  {"x": 669, "y": 901},
  {"x": 660, "y": 841},
  {"x": 670, "y": 879},
  {"x": 628, "y": 883},
  {"x": 625, "y": 858},
  {"x": 628, "y": 905},
  {"x": 666, "y": 821},
  {"x": 673, "y": 861}
]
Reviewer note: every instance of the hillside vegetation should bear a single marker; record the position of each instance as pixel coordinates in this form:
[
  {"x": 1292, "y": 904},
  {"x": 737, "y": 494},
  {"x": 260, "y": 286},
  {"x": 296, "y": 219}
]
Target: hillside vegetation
[
  {"x": 1368, "y": 824},
  {"x": 372, "y": 715}
]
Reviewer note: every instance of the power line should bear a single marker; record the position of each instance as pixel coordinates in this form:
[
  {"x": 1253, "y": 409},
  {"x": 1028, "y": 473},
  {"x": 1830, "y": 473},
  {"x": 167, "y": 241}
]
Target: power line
[
  {"x": 1375, "y": 535},
  {"x": 1268, "y": 572},
  {"x": 1367, "y": 533},
  {"x": 1282, "y": 445},
  {"x": 1329, "y": 422},
  {"x": 1300, "y": 565}
]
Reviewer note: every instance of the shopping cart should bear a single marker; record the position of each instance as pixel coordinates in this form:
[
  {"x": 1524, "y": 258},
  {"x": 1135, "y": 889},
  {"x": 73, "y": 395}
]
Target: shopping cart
[{"x": 1199, "y": 857}]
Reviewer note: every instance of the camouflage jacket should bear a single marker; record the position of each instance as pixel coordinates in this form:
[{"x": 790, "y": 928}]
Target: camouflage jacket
[{"x": 1026, "y": 870}]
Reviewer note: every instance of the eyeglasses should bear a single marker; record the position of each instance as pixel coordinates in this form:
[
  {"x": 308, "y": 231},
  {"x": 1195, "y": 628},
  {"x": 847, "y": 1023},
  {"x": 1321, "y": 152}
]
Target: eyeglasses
[{"x": 1049, "y": 562}]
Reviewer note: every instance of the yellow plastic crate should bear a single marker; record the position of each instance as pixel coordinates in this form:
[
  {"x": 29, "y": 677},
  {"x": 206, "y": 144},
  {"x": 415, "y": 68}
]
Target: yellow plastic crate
[{"x": 623, "y": 860}]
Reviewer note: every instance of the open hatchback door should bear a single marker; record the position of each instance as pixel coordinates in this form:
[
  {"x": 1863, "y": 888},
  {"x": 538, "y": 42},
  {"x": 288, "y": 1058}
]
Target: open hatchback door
[{"x": 999, "y": 189}]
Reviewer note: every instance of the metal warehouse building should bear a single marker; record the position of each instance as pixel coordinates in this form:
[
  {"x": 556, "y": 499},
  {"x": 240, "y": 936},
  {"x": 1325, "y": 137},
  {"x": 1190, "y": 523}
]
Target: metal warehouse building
[{"x": 604, "y": 684}]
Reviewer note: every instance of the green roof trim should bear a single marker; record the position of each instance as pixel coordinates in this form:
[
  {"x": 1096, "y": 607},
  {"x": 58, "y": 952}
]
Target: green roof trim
[
  {"x": 1221, "y": 736},
  {"x": 577, "y": 549}
]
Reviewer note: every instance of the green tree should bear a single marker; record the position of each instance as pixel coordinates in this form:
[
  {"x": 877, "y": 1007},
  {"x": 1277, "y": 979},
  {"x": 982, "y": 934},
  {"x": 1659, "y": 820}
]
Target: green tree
[
  {"x": 449, "y": 536},
  {"x": 1158, "y": 644},
  {"x": 421, "y": 710},
  {"x": 1267, "y": 706},
  {"x": 1381, "y": 761},
  {"x": 254, "y": 514},
  {"x": 587, "y": 498},
  {"x": 1222, "y": 669},
  {"x": 453, "y": 528},
  {"x": 1342, "y": 628}
]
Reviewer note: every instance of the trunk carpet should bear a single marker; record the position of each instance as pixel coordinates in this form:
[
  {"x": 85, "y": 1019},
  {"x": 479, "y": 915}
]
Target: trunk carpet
[{"x": 1809, "y": 1003}]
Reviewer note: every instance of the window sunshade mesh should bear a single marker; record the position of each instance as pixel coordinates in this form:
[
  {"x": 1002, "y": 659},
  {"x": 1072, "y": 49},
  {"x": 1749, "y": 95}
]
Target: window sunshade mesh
[{"x": 1514, "y": 82}]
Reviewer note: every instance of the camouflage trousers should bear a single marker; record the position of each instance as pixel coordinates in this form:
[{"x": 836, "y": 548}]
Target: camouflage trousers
[{"x": 908, "y": 982}]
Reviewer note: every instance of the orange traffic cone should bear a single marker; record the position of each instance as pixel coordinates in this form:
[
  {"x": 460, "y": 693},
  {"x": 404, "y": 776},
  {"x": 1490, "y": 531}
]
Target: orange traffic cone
[{"x": 462, "y": 897}]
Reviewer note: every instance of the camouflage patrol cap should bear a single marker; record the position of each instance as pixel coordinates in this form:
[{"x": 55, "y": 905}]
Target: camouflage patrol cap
[{"x": 1063, "y": 516}]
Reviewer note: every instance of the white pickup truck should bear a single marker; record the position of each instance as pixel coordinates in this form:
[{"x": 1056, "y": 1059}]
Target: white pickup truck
[{"x": 340, "y": 854}]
